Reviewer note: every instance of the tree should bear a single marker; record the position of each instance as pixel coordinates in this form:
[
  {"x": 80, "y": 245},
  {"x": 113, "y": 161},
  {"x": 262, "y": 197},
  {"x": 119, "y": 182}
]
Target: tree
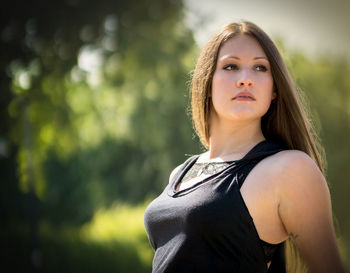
[{"x": 92, "y": 105}]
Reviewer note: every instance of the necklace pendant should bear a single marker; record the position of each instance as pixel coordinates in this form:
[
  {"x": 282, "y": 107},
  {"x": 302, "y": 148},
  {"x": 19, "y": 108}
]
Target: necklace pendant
[
  {"x": 200, "y": 172},
  {"x": 203, "y": 170}
]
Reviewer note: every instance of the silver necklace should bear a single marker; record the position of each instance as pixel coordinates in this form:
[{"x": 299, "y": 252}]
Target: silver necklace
[{"x": 207, "y": 168}]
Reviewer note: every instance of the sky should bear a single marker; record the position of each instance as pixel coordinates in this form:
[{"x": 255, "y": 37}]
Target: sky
[{"x": 317, "y": 27}]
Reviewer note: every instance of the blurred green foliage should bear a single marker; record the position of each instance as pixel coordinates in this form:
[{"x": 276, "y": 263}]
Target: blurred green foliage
[
  {"x": 114, "y": 241},
  {"x": 93, "y": 112},
  {"x": 93, "y": 107}
]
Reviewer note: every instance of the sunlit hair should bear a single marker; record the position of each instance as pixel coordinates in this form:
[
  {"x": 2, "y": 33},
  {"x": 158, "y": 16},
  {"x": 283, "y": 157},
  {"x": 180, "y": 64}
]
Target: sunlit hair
[{"x": 286, "y": 122}]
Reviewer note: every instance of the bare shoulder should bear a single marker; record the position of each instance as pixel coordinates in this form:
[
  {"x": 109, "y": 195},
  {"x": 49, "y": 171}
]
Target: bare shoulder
[
  {"x": 296, "y": 170},
  {"x": 301, "y": 186},
  {"x": 293, "y": 159},
  {"x": 295, "y": 179}
]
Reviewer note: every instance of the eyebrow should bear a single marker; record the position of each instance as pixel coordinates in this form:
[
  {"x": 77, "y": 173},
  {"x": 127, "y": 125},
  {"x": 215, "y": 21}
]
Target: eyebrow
[{"x": 235, "y": 57}]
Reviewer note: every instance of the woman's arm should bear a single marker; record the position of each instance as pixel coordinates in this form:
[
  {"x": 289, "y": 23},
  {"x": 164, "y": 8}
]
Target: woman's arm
[{"x": 306, "y": 212}]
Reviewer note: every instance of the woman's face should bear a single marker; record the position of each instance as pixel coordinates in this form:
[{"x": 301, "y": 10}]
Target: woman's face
[{"x": 242, "y": 86}]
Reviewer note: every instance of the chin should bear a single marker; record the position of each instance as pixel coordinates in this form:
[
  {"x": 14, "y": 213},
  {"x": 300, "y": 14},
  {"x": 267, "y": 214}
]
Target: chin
[{"x": 245, "y": 116}]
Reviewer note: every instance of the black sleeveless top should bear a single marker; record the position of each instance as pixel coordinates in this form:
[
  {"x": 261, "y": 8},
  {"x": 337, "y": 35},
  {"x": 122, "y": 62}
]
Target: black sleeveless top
[{"x": 207, "y": 227}]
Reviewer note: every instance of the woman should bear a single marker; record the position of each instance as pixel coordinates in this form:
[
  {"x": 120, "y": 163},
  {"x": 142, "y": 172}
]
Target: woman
[{"x": 259, "y": 185}]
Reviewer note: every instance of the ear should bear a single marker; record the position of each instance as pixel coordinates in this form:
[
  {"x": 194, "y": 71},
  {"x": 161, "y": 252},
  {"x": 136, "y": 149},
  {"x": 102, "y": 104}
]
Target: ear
[{"x": 274, "y": 95}]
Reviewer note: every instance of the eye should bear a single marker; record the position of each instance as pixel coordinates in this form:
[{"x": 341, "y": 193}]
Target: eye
[
  {"x": 261, "y": 68},
  {"x": 230, "y": 67}
]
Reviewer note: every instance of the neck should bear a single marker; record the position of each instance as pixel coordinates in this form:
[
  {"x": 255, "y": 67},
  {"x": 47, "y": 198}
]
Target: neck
[{"x": 234, "y": 141}]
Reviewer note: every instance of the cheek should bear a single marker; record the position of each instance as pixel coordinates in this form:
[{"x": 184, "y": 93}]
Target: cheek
[
  {"x": 221, "y": 85},
  {"x": 267, "y": 84},
  {"x": 217, "y": 82}
]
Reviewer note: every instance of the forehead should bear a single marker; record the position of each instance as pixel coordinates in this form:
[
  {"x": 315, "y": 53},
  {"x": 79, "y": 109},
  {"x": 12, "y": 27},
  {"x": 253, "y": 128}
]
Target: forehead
[{"x": 242, "y": 45}]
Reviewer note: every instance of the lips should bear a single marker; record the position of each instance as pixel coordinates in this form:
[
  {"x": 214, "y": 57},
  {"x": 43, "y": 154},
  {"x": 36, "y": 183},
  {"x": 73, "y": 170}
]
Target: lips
[{"x": 244, "y": 96}]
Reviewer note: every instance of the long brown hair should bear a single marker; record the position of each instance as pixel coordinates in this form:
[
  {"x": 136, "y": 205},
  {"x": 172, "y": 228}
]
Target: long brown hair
[{"x": 286, "y": 122}]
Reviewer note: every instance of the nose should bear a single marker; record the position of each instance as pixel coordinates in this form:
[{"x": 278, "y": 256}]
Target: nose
[
  {"x": 245, "y": 79},
  {"x": 245, "y": 83}
]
